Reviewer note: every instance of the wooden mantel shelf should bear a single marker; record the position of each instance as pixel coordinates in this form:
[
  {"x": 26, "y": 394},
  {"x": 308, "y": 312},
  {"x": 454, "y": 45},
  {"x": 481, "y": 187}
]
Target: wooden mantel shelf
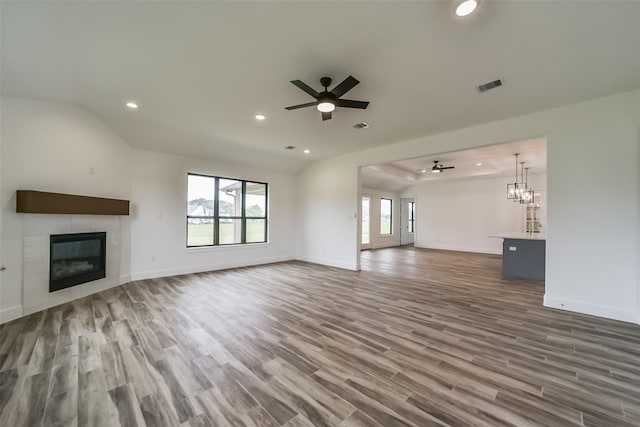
[{"x": 29, "y": 201}]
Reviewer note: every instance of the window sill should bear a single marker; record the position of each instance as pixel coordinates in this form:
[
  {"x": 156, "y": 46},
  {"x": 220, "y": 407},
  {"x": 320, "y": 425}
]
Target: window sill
[{"x": 199, "y": 249}]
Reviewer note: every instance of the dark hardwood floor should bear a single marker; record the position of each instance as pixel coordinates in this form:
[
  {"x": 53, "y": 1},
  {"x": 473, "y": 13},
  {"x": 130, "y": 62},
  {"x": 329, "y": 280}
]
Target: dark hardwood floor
[{"x": 417, "y": 338}]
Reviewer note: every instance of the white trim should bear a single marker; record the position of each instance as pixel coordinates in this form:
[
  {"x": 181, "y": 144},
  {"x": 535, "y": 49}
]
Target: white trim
[
  {"x": 126, "y": 278},
  {"x": 10, "y": 313},
  {"x": 592, "y": 309},
  {"x": 206, "y": 267},
  {"x": 330, "y": 263},
  {"x": 240, "y": 246},
  {"x": 461, "y": 249}
]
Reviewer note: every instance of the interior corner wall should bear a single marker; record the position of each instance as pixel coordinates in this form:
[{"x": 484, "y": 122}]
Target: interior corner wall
[
  {"x": 328, "y": 205},
  {"x": 592, "y": 234},
  {"x": 460, "y": 215},
  {"x": 378, "y": 240},
  {"x": 60, "y": 148},
  {"x": 158, "y": 223}
]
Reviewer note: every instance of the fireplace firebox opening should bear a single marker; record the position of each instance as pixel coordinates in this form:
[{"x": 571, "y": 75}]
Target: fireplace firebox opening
[{"x": 76, "y": 258}]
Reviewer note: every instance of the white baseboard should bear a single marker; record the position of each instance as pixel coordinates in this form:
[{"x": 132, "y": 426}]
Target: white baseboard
[
  {"x": 461, "y": 249},
  {"x": 385, "y": 245},
  {"x": 592, "y": 309},
  {"x": 154, "y": 274},
  {"x": 330, "y": 263},
  {"x": 124, "y": 279},
  {"x": 10, "y": 313}
]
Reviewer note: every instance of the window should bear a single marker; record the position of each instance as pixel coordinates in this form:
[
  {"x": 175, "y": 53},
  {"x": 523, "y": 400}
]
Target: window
[
  {"x": 385, "y": 216},
  {"x": 412, "y": 216},
  {"x": 224, "y": 211}
]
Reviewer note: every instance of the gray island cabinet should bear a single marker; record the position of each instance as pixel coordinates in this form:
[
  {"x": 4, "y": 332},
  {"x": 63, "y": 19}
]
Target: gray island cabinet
[{"x": 523, "y": 255}]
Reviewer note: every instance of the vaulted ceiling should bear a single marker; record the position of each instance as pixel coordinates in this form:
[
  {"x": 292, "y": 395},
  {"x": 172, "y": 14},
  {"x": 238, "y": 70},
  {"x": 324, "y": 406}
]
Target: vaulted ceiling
[{"x": 201, "y": 71}]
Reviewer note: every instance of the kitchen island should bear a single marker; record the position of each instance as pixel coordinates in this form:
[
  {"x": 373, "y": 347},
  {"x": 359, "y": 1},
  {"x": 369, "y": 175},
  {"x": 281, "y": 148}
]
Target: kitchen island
[{"x": 523, "y": 255}]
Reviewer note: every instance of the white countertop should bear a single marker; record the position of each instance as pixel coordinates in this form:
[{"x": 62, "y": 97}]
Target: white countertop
[{"x": 520, "y": 235}]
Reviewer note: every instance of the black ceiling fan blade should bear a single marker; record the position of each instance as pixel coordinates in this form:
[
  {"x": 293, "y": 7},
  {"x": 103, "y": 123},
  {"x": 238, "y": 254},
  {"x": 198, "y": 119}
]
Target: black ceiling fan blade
[
  {"x": 326, "y": 116},
  {"x": 295, "y": 107},
  {"x": 305, "y": 87},
  {"x": 349, "y": 103},
  {"x": 344, "y": 87},
  {"x": 446, "y": 167}
]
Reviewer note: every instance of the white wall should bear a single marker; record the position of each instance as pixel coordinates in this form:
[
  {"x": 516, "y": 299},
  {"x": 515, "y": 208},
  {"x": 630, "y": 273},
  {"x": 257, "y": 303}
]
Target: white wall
[
  {"x": 460, "y": 215},
  {"x": 158, "y": 223},
  {"x": 592, "y": 253},
  {"x": 328, "y": 204},
  {"x": 60, "y": 148},
  {"x": 377, "y": 240}
]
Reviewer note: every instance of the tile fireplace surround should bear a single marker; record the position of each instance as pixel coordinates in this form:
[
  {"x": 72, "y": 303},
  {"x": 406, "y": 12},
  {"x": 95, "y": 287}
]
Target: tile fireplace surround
[{"x": 36, "y": 232}]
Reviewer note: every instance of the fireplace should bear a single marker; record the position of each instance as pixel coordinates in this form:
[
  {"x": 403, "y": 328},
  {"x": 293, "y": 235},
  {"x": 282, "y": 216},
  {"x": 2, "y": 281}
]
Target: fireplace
[{"x": 76, "y": 258}]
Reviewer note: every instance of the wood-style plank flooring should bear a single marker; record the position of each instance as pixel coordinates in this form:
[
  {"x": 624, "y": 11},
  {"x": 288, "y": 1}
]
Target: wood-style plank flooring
[{"x": 418, "y": 338}]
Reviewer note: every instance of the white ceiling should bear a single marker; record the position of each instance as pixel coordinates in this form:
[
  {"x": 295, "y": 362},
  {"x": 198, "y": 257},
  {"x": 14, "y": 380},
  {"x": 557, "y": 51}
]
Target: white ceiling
[
  {"x": 201, "y": 70},
  {"x": 495, "y": 160}
]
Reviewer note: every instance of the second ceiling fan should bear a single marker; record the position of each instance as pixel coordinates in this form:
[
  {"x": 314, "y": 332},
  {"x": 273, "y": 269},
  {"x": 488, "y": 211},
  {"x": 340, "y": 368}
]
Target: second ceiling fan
[
  {"x": 327, "y": 101},
  {"x": 437, "y": 167}
]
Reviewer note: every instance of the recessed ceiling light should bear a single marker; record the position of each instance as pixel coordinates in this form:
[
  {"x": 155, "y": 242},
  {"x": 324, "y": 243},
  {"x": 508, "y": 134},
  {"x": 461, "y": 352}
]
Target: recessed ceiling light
[
  {"x": 465, "y": 7},
  {"x": 478, "y": 164},
  {"x": 307, "y": 151},
  {"x": 132, "y": 105},
  {"x": 260, "y": 117}
]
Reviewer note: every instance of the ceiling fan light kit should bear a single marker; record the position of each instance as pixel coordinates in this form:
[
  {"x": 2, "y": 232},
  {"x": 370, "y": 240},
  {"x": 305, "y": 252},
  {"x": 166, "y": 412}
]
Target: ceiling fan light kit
[
  {"x": 326, "y": 107},
  {"x": 464, "y": 8},
  {"x": 327, "y": 101}
]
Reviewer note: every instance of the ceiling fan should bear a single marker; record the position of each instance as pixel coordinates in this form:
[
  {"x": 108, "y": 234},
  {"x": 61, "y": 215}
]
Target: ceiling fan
[
  {"x": 437, "y": 167},
  {"x": 327, "y": 101}
]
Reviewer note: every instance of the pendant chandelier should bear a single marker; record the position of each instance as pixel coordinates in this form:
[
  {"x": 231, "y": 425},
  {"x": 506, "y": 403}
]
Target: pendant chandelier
[{"x": 519, "y": 191}]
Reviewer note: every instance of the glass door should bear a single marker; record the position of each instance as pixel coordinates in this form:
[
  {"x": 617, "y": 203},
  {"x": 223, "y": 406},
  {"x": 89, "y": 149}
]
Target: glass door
[
  {"x": 407, "y": 220},
  {"x": 366, "y": 223}
]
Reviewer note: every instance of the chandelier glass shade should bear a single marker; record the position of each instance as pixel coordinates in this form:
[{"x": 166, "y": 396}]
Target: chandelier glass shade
[
  {"x": 514, "y": 191},
  {"x": 527, "y": 196}
]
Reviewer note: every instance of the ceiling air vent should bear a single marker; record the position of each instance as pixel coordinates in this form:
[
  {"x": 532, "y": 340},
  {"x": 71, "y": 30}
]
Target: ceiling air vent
[
  {"x": 290, "y": 147},
  {"x": 488, "y": 86},
  {"x": 361, "y": 125}
]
